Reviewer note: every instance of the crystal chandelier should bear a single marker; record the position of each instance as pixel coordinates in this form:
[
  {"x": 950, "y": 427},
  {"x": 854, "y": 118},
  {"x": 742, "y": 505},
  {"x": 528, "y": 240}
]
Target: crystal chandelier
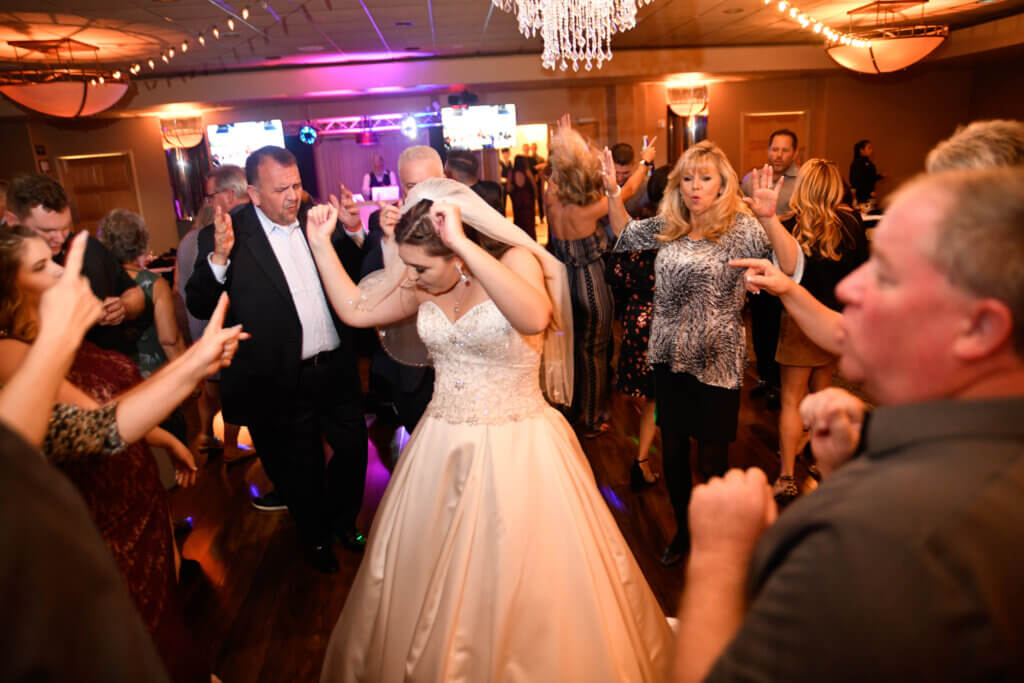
[{"x": 576, "y": 31}]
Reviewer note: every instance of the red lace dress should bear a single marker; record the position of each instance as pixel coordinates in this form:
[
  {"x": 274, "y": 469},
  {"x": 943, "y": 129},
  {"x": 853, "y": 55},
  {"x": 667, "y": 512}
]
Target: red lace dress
[{"x": 129, "y": 506}]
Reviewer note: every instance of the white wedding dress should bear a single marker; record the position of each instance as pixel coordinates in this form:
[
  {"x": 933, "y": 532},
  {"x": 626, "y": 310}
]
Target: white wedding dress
[{"x": 493, "y": 557}]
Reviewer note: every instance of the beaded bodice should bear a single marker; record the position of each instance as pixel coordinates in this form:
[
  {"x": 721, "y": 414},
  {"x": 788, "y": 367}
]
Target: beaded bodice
[{"x": 486, "y": 372}]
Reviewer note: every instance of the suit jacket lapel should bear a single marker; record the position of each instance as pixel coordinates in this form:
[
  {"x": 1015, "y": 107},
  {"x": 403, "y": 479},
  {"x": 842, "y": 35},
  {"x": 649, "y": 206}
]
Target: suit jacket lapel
[{"x": 250, "y": 233}]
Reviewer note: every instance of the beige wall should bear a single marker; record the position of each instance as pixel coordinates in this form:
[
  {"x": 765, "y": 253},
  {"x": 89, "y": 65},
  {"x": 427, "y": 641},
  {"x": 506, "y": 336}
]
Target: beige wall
[
  {"x": 141, "y": 138},
  {"x": 903, "y": 115},
  {"x": 17, "y": 156},
  {"x": 997, "y": 90}
]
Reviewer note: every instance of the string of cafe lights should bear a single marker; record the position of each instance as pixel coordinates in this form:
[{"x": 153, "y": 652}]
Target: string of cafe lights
[
  {"x": 199, "y": 40},
  {"x": 811, "y": 24}
]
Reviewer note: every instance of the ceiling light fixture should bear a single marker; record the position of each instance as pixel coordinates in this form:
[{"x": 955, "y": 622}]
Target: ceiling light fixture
[
  {"x": 885, "y": 50},
  {"x": 201, "y": 40},
  {"x": 245, "y": 13},
  {"x": 574, "y": 31},
  {"x": 231, "y": 24},
  {"x": 216, "y": 32}
]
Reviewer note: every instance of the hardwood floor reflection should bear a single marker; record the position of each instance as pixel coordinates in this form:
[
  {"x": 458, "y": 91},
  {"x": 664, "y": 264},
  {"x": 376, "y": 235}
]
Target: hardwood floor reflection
[{"x": 266, "y": 616}]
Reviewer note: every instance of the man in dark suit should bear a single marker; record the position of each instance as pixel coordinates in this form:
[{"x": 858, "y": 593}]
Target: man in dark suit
[
  {"x": 296, "y": 381},
  {"x": 410, "y": 388}
]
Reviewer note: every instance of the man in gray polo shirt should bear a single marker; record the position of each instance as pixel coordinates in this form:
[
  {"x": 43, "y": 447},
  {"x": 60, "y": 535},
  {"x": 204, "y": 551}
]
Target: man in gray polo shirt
[{"x": 904, "y": 564}]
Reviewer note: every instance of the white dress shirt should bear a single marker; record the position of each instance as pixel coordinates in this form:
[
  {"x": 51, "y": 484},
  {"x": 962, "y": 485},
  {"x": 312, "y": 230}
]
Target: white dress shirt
[{"x": 296, "y": 261}]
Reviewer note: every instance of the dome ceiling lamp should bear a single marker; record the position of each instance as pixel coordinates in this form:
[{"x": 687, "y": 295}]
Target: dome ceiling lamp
[
  {"x": 891, "y": 44},
  {"x": 66, "y": 88},
  {"x": 888, "y": 49}
]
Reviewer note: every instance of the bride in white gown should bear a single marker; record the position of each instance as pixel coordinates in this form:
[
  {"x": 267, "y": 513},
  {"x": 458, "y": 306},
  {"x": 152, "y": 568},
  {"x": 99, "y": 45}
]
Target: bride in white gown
[{"x": 492, "y": 556}]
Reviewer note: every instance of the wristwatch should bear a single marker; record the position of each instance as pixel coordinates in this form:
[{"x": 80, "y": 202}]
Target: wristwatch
[{"x": 648, "y": 164}]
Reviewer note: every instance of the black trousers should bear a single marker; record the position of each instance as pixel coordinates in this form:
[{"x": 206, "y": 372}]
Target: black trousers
[
  {"x": 687, "y": 408},
  {"x": 322, "y": 497},
  {"x": 765, "y": 313}
]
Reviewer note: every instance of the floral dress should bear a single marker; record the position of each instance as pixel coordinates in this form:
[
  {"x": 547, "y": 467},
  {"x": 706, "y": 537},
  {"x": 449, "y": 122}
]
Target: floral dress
[{"x": 631, "y": 276}]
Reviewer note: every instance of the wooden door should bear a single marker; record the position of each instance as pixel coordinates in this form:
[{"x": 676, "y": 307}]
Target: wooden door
[
  {"x": 756, "y": 129},
  {"x": 97, "y": 184}
]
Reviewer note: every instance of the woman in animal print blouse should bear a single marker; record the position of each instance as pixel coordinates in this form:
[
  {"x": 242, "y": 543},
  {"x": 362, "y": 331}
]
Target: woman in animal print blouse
[{"x": 697, "y": 343}]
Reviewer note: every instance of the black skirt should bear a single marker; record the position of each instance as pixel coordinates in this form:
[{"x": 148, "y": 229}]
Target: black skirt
[{"x": 691, "y": 407}]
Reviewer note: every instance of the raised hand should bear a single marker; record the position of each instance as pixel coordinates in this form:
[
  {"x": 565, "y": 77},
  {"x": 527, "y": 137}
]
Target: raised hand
[
  {"x": 834, "y": 418},
  {"x": 69, "y": 308},
  {"x": 728, "y": 514},
  {"x": 389, "y": 215},
  {"x": 565, "y": 121},
  {"x": 611, "y": 184},
  {"x": 763, "y": 275},
  {"x": 448, "y": 223},
  {"x": 649, "y": 152},
  {"x": 321, "y": 221},
  {"x": 223, "y": 237},
  {"x": 217, "y": 347},
  {"x": 766, "y": 194},
  {"x": 348, "y": 212}
]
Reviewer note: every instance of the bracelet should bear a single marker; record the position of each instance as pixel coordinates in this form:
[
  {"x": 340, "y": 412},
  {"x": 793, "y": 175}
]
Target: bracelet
[
  {"x": 618, "y": 191},
  {"x": 648, "y": 164}
]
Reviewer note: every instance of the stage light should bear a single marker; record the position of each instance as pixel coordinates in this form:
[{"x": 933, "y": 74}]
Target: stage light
[
  {"x": 409, "y": 127},
  {"x": 307, "y": 134}
]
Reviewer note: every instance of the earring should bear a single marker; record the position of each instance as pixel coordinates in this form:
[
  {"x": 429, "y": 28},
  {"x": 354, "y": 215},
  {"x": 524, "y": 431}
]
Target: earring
[{"x": 463, "y": 278}]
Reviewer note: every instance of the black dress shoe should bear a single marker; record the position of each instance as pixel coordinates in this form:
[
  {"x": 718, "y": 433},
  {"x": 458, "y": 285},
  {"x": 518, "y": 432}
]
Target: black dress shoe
[
  {"x": 352, "y": 539},
  {"x": 322, "y": 559}
]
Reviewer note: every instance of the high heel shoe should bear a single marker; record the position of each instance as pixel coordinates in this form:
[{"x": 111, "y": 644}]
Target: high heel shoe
[{"x": 637, "y": 480}]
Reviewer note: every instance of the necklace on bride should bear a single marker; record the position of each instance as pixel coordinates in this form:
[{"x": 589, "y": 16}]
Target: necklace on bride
[{"x": 463, "y": 279}]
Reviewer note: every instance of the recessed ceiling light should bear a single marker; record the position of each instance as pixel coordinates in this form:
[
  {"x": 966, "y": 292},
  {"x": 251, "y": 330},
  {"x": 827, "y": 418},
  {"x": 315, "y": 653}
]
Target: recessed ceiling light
[
  {"x": 732, "y": 10},
  {"x": 987, "y": 2},
  {"x": 310, "y": 48},
  {"x": 402, "y": 24}
]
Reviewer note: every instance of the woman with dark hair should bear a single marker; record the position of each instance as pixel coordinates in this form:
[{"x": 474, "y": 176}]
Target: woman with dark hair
[
  {"x": 698, "y": 345},
  {"x": 522, "y": 189},
  {"x": 158, "y": 338},
  {"x": 576, "y": 202},
  {"x": 833, "y": 241},
  {"x": 95, "y": 434},
  {"x": 863, "y": 174},
  {"x": 492, "y": 555}
]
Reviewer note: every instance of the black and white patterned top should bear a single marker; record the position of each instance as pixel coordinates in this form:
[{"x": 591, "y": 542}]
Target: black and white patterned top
[{"x": 698, "y": 298}]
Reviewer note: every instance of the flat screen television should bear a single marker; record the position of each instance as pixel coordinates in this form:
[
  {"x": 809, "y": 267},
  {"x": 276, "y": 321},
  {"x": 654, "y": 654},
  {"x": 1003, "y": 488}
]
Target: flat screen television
[
  {"x": 485, "y": 126},
  {"x": 231, "y": 143}
]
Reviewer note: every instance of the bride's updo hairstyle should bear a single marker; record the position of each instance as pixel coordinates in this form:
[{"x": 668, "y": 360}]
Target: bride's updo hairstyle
[{"x": 416, "y": 227}]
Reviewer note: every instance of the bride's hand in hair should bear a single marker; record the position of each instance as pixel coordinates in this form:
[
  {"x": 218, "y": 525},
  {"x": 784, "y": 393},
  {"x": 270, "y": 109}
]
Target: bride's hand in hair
[
  {"x": 320, "y": 223},
  {"x": 448, "y": 224}
]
